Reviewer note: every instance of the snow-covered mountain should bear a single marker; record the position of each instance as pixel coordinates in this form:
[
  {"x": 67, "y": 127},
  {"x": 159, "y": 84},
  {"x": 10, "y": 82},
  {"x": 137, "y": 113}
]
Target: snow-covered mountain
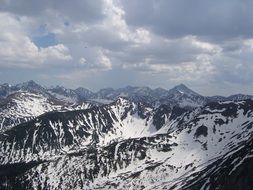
[
  {"x": 139, "y": 139},
  {"x": 180, "y": 94},
  {"x": 54, "y": 133},
  {"x": 64, "y": 94},
  {"x": 23, "y": 105}
]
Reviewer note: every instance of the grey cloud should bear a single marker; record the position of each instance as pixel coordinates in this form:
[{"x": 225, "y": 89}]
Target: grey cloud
[
  {"x": 94, "y": 36},
  {"x": 160, "y": 51},
  {"x": 80, "y": 10},
  {"x": 214, "y": 19},
  {"x": 235, "y": 67}
]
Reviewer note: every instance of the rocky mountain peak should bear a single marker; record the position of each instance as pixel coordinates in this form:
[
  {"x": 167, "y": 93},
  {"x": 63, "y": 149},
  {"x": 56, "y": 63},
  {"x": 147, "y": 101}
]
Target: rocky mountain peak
[{"x": 183, "y": 89}]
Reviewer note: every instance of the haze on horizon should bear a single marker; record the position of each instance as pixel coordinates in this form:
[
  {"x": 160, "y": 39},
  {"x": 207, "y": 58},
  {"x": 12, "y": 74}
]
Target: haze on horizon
[{"x": 207, "y": 45}]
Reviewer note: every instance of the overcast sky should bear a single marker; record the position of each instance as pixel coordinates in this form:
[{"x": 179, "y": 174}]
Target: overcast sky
[{"x": 205, "y": 44}]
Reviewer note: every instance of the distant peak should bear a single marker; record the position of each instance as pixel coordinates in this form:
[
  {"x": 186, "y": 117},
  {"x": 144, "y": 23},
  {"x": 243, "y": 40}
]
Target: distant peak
[
  {"x": 82, "y": 88},
  {"x": 182, "y": 88},
  {"x": 59, "y": 87},
  {"x": 159, "y": 88},
  {"x": 106, "y": 89},
  {"x": 29, "y": 83}
]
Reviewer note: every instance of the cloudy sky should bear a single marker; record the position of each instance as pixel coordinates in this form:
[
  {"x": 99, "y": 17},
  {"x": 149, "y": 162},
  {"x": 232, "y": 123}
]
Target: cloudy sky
[{"x": 207, "y": 45}]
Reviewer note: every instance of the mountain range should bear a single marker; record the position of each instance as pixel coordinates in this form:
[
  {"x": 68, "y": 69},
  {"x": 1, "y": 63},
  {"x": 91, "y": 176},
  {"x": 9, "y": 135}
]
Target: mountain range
[{"x": 126, "y": 138}]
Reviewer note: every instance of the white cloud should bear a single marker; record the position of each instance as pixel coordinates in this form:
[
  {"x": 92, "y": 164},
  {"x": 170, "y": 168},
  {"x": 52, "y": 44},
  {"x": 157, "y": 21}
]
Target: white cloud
[
  {"x": 182, "y": 59},
  {"x": 103, "y": 61},
  {"x": 17, "y": 49},
  {"x": 205, "y": 46},
  {"x": 116, "y": 22},
  {"x": 248, "y": 43},
  {"x": 82, "y": 61},
  {"x": 56, "y": 52},
  {"x": 142, "y": 36}
]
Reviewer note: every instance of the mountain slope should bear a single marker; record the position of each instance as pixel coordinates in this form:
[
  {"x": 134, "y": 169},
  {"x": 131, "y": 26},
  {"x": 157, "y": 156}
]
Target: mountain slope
[
  {"x": 160, "y": 160},
  {"x": 131, "y": 138},
  {"x": 23, "y": 106},
  {"x": 55, "y": 133}
]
